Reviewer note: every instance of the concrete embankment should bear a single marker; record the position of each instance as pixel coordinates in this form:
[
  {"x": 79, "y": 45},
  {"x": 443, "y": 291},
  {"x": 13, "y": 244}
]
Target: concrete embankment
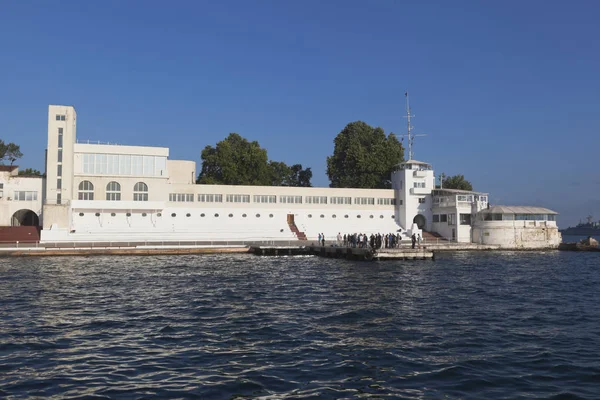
[{"x": 127, "y": 251}]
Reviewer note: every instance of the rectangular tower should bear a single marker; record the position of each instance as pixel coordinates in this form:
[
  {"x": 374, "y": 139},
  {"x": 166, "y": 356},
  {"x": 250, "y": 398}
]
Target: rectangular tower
[{"x": 62, "y": 127}]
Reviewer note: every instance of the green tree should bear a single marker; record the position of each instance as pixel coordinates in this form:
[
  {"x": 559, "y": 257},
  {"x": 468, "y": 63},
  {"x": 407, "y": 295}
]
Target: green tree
[
  {"x": 299, "y": 176},
  {"x": 9, "y": 152},
  {"x": 30, "y": 172},
  {"x": 236, "y": 161},
  {"x": 363, "y": 157},
  {"x": 456, "y": 182}
]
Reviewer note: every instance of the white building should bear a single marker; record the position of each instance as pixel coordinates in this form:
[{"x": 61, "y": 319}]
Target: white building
[
  {"x": 21, "y": 197},
  {"x": 109, "y": 193}
]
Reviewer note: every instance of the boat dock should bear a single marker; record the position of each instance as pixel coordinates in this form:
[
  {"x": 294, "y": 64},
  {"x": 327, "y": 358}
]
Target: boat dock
[{"x": 351, "y": 253}]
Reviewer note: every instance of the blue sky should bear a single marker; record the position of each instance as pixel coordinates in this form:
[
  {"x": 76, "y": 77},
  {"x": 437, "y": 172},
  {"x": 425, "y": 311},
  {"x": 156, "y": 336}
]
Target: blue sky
[{"x": 507, "y": 92}]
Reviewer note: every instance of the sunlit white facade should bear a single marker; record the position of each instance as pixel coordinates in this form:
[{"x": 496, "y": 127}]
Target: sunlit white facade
[{"x": 98, "y": 192}]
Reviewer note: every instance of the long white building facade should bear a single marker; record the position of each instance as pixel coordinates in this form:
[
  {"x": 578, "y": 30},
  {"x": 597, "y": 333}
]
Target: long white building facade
[{"x": 109, "y": 193}]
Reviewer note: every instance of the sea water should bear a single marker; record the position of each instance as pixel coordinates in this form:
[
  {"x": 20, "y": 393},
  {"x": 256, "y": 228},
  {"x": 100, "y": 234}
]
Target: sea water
[{"x": 479, "y": 325}]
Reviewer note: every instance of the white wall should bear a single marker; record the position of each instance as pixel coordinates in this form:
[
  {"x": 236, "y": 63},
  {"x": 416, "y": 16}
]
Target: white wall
[
  {"x": 517, "y": 234},
  {"x": 9, "y": 204}
]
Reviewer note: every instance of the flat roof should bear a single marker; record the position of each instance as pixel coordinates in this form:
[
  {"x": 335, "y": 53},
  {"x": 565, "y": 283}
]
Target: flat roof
[
  {"x": 454, "y": 191},
  {"x": 517, "y": 210}
]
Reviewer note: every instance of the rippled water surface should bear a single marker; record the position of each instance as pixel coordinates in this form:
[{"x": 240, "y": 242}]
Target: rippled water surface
[{"x": 469, "y": 325}]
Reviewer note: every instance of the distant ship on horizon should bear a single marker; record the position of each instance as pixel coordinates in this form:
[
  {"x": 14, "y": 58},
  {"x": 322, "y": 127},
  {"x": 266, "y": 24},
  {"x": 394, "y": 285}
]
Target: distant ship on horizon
[{"x": 588, "y": 228}]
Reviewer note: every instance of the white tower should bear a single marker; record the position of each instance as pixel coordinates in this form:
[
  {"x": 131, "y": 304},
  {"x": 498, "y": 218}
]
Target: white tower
[
  {"x": 62, "y": 127},
  {"x": 413, "y": 183}
]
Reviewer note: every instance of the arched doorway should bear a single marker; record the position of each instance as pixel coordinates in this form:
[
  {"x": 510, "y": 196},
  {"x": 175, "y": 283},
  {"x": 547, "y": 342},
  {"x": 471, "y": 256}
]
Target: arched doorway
[
  {"x": 25, "y": 217},
  {"x": 420, "y": 221}
]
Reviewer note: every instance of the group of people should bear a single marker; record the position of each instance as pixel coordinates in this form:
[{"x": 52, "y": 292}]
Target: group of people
[{"x": 375, "y": 241}]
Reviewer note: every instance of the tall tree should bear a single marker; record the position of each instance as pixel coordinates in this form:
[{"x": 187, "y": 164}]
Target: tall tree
[
  {"x": 363, "y": 157},
  {"x": 9, "y": 152},
  {"x": 30, "y": 172},
  {"x": 236, "y": 161},
  {"x": 284, "y": 175},
  {"x": 456, "y": 182}
]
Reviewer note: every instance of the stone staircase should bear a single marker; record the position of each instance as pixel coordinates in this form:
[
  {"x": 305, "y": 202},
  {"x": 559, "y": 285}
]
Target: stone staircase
[
  {"x": 433, "y": 237},
  {"x": 294, "y": 228}
]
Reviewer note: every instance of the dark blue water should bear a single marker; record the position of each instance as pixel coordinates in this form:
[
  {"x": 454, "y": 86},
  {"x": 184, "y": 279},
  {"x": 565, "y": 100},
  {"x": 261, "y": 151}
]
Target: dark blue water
[{"x": 469, "y": 325}]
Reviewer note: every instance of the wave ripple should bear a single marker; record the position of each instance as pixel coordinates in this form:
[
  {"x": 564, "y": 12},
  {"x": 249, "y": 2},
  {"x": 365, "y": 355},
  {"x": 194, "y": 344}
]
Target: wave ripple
[{"x": 469, "y": 325}]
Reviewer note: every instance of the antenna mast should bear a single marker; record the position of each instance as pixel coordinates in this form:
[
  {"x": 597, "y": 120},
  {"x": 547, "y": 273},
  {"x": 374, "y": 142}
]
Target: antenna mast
[{"x": 409, "y": 134}]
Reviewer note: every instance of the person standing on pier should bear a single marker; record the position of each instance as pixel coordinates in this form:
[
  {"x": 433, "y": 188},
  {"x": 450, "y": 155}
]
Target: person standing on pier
[
  {"x": 414, "y": 240},
  {"x": 419, "y": 240}
]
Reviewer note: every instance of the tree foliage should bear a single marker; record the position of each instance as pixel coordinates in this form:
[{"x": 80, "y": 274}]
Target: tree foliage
[
  {"x": 363, "y": 157},
  {"x": 236, "y": 161},
  {"x": 9, "y": 152},
  {"x": 30, "y": 172},
  {"x": 456, "y": 182}
]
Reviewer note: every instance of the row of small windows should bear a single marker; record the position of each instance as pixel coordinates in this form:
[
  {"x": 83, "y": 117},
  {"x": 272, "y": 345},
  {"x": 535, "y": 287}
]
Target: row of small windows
[
  {"x": 519, "y": 217},
  {"x": 216, "y": 215},
  {"x": 175, "y": 214},
  {"x": 60, "y": 117},
  {"x": 347, "y": 216},
  {"x": 181, "y": 197},
  {"x": 288, "y": 199},
  {"x": 113, "y": 191}
]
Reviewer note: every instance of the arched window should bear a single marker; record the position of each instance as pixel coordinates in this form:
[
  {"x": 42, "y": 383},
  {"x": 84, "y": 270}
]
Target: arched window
[
  {"x": 86, "y": 190},
  {"x": 140, "y": 192},
  {"x": 113, "y": 191}
]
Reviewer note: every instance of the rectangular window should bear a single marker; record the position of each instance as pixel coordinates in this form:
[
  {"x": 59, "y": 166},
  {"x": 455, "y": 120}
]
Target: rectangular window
[
  {"x": 148, "y": 165},
  {"x": 58, "y": 198},
  {"x": 316, "y": 199},
  {"x": 265, "y": 198},
  {"x": 451, "y": 219},
  {"x": 443, "y": 218},
  {"x": 1, "y": 190},
  {"x": 237, "y": 198},
  {"x": 23, "y": 195},
  {"x": 60, "y": 140},
  {"x": 465, "y": 219},
  {"x": 290, "y": 199},
  {"x": 341, "y": 200},
  {"x": 57, "y": 117},
  {"x": 210, "y": 198},
  {"x": 113, "y": 196},
  {"x": 386, "y": 201},
  {"x": 465, "y": 198},
  {"x": 59, "y": 170},
  {"x": 421, "y": 200},
  {"x": 140, "y": 196},
  {"x": 419, "y": 184},
  {"x": 436, "y": 218},
  {"x": 112, "y": 166},
  {"x": 59, "y": 157},
  {"x": 137, "y": 165},
  {"x": 59, "y": 183},
  {"x": 364, "y": 200},
  {"x": 181, "y": 197},
  {"x": 124, "y": 164}
]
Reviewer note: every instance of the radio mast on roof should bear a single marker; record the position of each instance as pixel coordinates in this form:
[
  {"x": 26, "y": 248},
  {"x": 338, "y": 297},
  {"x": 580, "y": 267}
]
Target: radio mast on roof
[{"x": 411, "y": 136}]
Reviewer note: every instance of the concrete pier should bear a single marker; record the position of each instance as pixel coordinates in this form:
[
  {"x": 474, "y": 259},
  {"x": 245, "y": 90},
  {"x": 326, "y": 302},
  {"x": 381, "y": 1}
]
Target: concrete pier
[{"x": 351, "y": 253}]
